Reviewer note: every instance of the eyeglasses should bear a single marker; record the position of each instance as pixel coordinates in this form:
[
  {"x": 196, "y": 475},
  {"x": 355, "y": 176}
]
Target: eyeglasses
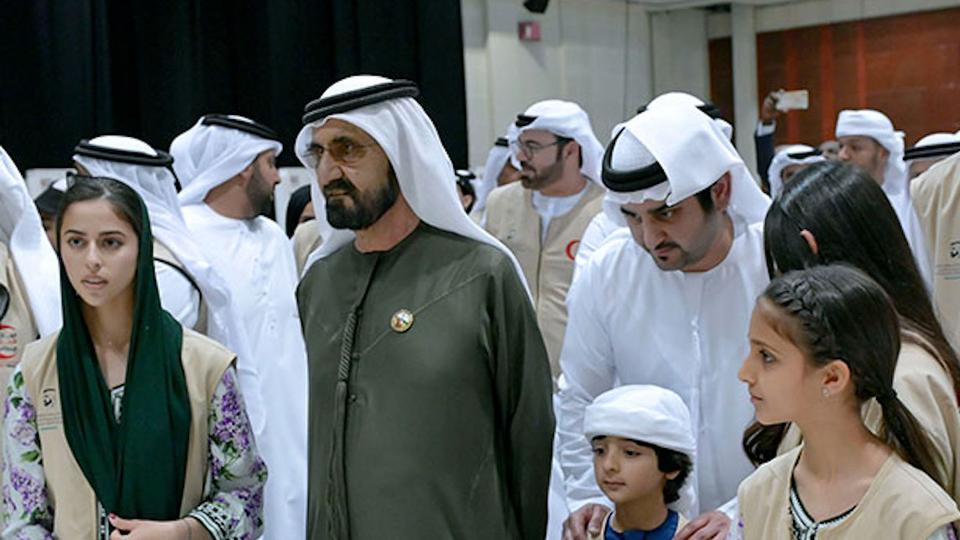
[
  {"x": 530, "y": 148},
  {"x": 343, "y": 151}
]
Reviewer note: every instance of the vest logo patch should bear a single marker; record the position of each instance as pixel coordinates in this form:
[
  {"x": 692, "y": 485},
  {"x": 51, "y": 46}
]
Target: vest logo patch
[
  {"x": 48, "y": 397},
  {"x": 49, "y": 415},
  {"x": 572, "y": 249},
  {"x": 8, "y": 342},
  {"x": 955, "y": 249}
]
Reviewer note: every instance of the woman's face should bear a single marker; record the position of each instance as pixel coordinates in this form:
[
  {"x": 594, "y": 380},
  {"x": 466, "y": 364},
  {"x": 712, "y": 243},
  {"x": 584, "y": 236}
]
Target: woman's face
[
  {"x": 780, "y": 379},
  {"x": 99, "y": 251}
]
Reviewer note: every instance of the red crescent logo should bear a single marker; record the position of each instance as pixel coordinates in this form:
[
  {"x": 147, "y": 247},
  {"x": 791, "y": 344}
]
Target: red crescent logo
[
  {"x": 8, "y": 342},
  {"x": 571, "y": 249}
]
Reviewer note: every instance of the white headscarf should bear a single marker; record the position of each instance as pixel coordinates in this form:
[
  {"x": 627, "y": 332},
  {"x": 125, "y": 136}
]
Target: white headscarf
[
  {"x": 876, "y": 125},
  {"x": 206, "y": 156},
  {"x": 671, "y": 99},
  {"x": 155, "y": 185},
  {"x": 693, "y": 152},
  {"x": 934, "y": 139},
  {"x": 783, "y": 159},
  {"x": 36, "y": 262},
  {"x": 647, "y": 414},
  {"x": 405, "y": 133},
  {"x": 937, "y": 138},
  {"x": 497, "y": 159},
  {"x": 566, "y": 119}
]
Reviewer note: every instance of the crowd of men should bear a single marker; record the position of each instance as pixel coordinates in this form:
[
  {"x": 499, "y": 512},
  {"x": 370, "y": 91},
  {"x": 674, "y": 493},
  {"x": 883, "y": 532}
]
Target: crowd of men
[{"x": 419, "y": 358}]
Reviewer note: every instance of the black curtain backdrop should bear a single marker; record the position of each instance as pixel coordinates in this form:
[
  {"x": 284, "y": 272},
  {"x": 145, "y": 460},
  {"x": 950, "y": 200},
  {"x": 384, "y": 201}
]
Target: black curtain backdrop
[{"x": 74, "y": 69}]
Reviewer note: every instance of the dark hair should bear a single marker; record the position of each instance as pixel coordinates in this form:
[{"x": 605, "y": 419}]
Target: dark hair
[
  {"x": 466, "y": 188},
  {"x": 669, "y": 461},
  {"x": 124, "y": 200},
  {"x": 562, "y": 142},
  {"x": 705, "y": 198},
  {"x": 853, "y": 222},
  {"x": 836, "y": 312},
  {"x": 298, "y": 201}
]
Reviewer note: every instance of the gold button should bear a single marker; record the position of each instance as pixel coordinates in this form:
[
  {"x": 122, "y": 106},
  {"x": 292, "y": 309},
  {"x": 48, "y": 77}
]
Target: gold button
[{"x": 401, "y": 321}]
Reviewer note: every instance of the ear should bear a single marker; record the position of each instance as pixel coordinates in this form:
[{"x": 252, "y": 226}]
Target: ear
[
  {"x": 721, "y": 191},
  {"x": 247, "y": 172},
  {"x": 572, "y": 149},
  {"x": 672, "y": 475},
  {"x": 836, "y": 377},
  {"x": 811, "y": 241},
  {"x": 882, "y": 150}
]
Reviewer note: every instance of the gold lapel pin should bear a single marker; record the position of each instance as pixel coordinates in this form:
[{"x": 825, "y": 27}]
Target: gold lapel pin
[{"x": 401, "y": 321}]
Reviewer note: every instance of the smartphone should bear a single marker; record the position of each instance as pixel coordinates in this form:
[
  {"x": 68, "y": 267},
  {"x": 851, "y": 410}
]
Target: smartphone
[{"x": 793, "y": 100}]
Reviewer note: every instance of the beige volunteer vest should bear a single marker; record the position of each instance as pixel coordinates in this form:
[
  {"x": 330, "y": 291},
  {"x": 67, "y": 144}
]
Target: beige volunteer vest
[
  {"x": 306, "y": 239},
  {"x": 548, "y": 267},
  {"x": 902, "y": 502},
  {"x": 163, "y": 255},
  {"x": 936, "y": 198},
  {"x": 71, "y": 497},
  {"x": 16, "y": 322},
  {"x": 17, "y": 328},
  {"x": 926, "y": 389}
]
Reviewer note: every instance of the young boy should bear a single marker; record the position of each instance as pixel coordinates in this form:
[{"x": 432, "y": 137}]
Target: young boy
[{"x": 643, "y": 450}]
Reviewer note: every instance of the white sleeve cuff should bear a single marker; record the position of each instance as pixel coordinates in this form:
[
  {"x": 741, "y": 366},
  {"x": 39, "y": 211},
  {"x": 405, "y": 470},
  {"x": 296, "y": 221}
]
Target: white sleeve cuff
[{"x": 731, "y": 508}]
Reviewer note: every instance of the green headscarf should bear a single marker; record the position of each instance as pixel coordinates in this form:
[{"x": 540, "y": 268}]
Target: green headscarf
[{"x": 136, "y": 466}]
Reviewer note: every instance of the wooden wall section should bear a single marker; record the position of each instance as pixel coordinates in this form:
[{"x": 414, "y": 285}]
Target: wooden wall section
[{"x": 907, "y": 66}]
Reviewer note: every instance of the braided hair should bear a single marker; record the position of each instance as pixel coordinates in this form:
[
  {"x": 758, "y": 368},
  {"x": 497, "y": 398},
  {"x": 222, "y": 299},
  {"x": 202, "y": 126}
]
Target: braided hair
[{"x": 839, "y": 313}]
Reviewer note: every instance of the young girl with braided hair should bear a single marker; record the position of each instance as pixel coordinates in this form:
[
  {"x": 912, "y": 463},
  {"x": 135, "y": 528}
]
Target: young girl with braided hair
[
  {"x": 835, "y": 213},
  {"x": 823, "y": 342}
]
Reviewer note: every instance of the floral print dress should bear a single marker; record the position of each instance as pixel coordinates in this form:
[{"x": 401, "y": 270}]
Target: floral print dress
[{"x": 233, "y": 503}]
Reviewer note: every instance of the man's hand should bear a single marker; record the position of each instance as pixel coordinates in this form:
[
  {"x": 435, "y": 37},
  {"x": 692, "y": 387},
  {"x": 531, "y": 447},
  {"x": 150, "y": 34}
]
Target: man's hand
[
  {"x": 768, "y": 111},
  {"x": 140, "y": 529},
  {"x": 709, "y": 526},
  {"x": 587, "y": 520}
]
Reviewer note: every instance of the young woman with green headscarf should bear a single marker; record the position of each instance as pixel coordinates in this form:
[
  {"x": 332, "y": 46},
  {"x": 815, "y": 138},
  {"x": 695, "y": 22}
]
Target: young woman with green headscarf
[{"x": 124, "y": 424}]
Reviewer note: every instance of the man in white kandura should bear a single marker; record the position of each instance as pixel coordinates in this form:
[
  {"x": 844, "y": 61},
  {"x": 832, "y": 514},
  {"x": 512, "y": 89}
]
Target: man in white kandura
[
  {"x": 228, "y": 168},
  {"x": 668, "y": 301}
]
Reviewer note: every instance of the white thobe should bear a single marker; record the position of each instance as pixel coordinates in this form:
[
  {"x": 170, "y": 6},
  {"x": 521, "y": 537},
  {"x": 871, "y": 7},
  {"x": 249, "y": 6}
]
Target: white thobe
[
  {"x": 910, "y": 223},
  {"x": 552, "y": 207},
  {"x": 177, "y": 295},
  {"x": 632, "y": 323},
  {"x": 256, "y": 259}
]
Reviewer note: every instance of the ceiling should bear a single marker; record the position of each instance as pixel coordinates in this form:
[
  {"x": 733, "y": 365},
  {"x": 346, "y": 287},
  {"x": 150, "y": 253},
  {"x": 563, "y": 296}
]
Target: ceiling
[{"x": 656, "y": 5}]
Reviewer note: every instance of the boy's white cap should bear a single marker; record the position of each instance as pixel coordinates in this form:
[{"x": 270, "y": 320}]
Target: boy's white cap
[
  {"x": 648, "y": 414},
  {"x": 645, "y": 413}
]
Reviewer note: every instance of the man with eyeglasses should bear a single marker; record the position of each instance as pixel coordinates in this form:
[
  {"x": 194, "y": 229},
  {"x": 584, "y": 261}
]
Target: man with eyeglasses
[
  {"x": 542, "y": 218},
  {"x": 227, "y": 166},
  {"x": 430, "y": 411}
]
